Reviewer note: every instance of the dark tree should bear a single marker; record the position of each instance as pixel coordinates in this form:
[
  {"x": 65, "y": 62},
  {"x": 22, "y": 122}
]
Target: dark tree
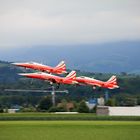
[
  {"x": 83, "y": 107},
  {"x": 45, "y": 104},
  {"x": 111, "y": 102}
]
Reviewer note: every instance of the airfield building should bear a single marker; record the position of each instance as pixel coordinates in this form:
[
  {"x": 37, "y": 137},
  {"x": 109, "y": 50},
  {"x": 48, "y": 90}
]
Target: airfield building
[{"x": 118, "y": 111}]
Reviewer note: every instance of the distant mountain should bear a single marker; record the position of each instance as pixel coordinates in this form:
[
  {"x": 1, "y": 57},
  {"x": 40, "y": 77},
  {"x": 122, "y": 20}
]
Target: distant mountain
[{"x": 108, "y": 57}]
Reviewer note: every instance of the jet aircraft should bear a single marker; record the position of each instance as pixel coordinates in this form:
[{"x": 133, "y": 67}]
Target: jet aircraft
[
  {"x": 59, "y": 69},
  {"x": 69, "y": 79},
  {"x": 111, "y": 83}
]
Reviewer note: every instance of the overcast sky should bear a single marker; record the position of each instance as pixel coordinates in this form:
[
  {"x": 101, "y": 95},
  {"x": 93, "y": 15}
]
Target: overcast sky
[{"x": 41, "y": 22}]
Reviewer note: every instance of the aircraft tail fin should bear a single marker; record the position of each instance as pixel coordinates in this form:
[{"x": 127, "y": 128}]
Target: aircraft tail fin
[
  {"x": 71, "y": 75},
  {"x": 113, "y": 81},
  {"x": 61, "y": 66}
]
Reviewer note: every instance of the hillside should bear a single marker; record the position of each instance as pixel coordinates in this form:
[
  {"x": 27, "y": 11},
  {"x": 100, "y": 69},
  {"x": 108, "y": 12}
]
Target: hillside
[
  {"x": 128, "y": 94},
  {"x": 108, "y": 57}
]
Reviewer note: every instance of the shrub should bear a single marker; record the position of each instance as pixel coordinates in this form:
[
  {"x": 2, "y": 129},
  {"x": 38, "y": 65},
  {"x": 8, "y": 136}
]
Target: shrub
[{"x": 82, "y": 108}]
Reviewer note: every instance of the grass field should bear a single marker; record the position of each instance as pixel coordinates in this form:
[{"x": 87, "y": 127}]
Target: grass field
[
  {"x": 37, "y": 114},
  {"x": 50, "y": 116},
  {"x": 69, "y": 130}
]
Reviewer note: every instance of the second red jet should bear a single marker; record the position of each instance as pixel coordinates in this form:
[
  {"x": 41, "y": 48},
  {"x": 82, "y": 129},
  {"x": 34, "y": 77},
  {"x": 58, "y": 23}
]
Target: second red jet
[{"x": 69, "y": 79}]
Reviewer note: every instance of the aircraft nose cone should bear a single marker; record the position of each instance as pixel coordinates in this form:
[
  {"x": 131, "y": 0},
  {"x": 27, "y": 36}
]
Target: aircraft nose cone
[
  {"x": 22, "y": 74},
  {"x": 16, "y": 64}
]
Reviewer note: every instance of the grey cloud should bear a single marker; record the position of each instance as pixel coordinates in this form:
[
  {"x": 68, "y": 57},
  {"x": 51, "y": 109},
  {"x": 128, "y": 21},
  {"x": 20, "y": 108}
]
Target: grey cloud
[{"x": 29, "y": 22}]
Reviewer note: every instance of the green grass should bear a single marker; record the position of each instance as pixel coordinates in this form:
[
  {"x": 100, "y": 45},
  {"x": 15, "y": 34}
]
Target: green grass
[
  {"x": 42, "y": 116},
  {"x": 37, "y": 114},
  {"x": 50, "y": 116},
  {"x": 69, "y": 130}
]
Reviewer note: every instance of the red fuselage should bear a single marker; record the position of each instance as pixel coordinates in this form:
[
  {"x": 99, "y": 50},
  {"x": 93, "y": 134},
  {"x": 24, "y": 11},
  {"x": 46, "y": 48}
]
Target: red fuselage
[
  {"x": 94, "y": 82},
  {"x": 41, "y": 67},
  {"x": 49, "y": 77}
]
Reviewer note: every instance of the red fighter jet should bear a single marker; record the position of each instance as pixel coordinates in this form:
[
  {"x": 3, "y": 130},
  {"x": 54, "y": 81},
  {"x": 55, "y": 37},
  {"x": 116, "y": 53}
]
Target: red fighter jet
[
  {"x": 69, "y": 79},
  {"x": 110, "y": 84},
  {"x": 59, "y": 69}
]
